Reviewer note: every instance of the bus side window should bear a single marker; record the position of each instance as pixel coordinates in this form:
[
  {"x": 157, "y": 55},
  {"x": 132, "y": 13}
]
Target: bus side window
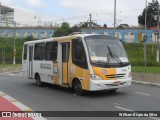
[
  {"x": 25, "y": 52},
  {"x": 78, "y": 53},
  {"x": 51, "y": 51},
  {"x": 39, "y": 51}
]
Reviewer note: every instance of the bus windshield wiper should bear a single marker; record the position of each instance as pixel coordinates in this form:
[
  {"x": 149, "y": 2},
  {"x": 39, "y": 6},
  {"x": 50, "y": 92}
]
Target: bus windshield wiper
[{"x": 113, "y": 56}]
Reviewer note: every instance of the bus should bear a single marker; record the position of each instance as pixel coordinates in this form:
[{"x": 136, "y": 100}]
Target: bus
[{"x": 84, "y": 62}]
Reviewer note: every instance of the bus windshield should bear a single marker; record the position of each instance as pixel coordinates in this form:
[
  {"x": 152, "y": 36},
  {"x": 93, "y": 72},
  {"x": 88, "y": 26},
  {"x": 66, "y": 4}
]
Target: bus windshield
[{"x": 106, "y": 50}]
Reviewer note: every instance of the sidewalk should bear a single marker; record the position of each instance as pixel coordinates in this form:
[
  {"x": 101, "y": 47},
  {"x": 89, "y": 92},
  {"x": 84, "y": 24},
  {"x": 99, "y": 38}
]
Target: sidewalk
[{"x": 8, "y": 104}]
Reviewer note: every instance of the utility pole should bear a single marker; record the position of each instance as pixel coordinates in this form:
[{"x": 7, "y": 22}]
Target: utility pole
[
  {"x": 115, "y": 9},
  {"x": 1, "y": 13},
  {"x": 90, "y": 21},
  {"x": 158, "y": 35},
  {"x": 145, "y": 38},
  {"x": 0, "y": 9},
  {"x": 14, "y": 49}
]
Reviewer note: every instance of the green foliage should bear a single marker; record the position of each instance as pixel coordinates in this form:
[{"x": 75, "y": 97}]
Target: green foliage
[
  {"x": 135, "y": 53},
  {"x": 84, "y": 25},
  {"x": 151, "y": 11},
  {"x": 75, "y": 29},
  {"x": 87, "y": 25},
  {"x": 64, "y": 30},
  {"x": 6, "y": 50},
  {"x": 105, "y": 26},
  {"x": 142, "y": 69},
  {"x": 29, "y": 38}
]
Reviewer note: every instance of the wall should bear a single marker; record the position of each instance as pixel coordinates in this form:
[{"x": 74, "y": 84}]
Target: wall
[
  {"x": 37, "y": 33},
  {"x": 130, "y": 35}
]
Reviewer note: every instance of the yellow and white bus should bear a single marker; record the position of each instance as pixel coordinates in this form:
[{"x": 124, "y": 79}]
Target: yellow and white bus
[{"x": 84, "y": 62}]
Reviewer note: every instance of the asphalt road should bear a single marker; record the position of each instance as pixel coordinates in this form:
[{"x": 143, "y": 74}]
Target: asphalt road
[{"x": 137, "y": 97}]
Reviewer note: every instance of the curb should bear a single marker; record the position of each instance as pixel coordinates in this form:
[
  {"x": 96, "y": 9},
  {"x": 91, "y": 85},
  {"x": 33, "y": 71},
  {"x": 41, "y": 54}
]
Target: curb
[
  {"x": 19, "y": 105},
  {"x": 146, "y": 83},
  {"x": 15, "y": 102}
]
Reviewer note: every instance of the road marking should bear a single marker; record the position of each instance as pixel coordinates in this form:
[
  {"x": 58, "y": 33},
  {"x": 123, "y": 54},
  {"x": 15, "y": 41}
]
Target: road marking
[
  {"x": 121, "y": 108},
  {"x": 9, "y": 98},
  {"x": 2, "y": 93},
  {"x": 142, "y": 93},
  {"x": 10, "y": 74},
  {"x": 14, "y": 75},
  {"x": 116, "y": 103},
  {"x": 19, "y": 105}
]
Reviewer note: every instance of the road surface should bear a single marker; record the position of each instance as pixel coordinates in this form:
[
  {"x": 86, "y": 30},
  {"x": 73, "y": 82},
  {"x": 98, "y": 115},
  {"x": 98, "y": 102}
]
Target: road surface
[{"x": 137, "y": 97}]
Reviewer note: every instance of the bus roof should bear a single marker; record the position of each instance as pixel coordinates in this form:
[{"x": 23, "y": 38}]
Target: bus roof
[{"x": 62, "y": 38}]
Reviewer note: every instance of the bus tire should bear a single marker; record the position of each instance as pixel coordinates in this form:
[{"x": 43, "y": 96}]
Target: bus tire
[
  {"x": 38, "y": 81},
  {"x": 78, "y": 87}
]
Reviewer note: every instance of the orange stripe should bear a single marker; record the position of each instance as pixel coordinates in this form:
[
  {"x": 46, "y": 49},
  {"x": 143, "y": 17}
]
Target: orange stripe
[{"x": 107, "y": 71}]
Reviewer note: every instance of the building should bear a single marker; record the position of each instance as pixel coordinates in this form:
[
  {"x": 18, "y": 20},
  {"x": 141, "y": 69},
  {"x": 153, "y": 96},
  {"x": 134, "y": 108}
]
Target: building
[{"x": 22, "y": 18}]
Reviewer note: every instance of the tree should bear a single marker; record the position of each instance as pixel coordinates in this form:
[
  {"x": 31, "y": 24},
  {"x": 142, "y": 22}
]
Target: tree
[
  {"x": 105, "y": 26},
  {"x": 29, "y": 38},
  {"x": 75, "y": 29},
  {"x": 65, "y": 30},
  {"x": 87, "y": 25},
  {"x": 151, "y": 12},
  {"x": 84, "y": 25}
]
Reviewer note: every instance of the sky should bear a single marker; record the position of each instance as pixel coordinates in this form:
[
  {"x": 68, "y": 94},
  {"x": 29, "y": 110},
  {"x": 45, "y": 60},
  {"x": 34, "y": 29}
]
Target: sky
[{"x": 75, "y": 11}]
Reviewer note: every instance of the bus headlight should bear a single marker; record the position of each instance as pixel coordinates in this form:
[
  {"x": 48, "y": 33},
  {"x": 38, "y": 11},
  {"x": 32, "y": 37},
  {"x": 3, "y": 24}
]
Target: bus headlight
[{"x": 95, "y": 77}]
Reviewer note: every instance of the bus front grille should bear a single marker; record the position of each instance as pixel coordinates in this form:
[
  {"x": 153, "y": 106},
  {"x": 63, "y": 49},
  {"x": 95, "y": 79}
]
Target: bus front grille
[{"x": 116, "y": 76}]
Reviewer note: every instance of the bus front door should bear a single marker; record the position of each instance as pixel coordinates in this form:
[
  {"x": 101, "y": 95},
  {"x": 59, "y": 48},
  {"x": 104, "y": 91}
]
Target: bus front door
[
  {"x": 65, "y": 62},
  {"x": 30, "y": 70}
]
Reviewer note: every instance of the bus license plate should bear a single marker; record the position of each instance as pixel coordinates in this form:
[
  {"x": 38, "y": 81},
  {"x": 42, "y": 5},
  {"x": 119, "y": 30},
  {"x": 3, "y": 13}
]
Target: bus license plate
[{"x": 117, "y": 83}]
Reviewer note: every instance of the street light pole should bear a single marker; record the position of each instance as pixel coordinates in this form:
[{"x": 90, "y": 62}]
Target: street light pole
[
  {"x": 14, "y": 49},
  {"x": 158, "y": 34},
  {"x": 115, "y": 5},
  {"x": 145, "y": 49}
]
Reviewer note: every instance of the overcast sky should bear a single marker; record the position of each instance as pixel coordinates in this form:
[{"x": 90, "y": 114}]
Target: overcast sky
[{"x": 75, "y": 11}]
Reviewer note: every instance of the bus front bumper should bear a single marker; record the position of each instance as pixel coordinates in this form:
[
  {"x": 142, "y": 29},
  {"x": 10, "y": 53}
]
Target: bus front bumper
[{"x": 97, "y": 85}]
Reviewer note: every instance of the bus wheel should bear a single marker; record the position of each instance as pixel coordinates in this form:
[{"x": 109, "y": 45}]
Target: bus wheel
[
  {"x": 38, "y": 81},
  {"x": 78, "y": 88}
]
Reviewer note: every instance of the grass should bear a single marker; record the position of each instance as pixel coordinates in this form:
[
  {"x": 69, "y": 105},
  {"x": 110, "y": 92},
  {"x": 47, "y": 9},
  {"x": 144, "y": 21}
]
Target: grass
[
  {"x": 141, "y": 69},
  {"x": 154, "y": 70},
  {"x": 9, "y": 65},
  {"x": 135, "y": 53}
]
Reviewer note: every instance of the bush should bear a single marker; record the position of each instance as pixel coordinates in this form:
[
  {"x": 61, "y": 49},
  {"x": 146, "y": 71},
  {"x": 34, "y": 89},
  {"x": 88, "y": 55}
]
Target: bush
[
  {"x": 6, "y": 50},
  {"x": 135, "y": 53}
]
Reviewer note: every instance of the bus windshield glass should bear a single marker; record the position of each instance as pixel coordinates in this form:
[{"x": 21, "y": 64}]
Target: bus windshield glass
[{"x": 106, "y": 50}]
